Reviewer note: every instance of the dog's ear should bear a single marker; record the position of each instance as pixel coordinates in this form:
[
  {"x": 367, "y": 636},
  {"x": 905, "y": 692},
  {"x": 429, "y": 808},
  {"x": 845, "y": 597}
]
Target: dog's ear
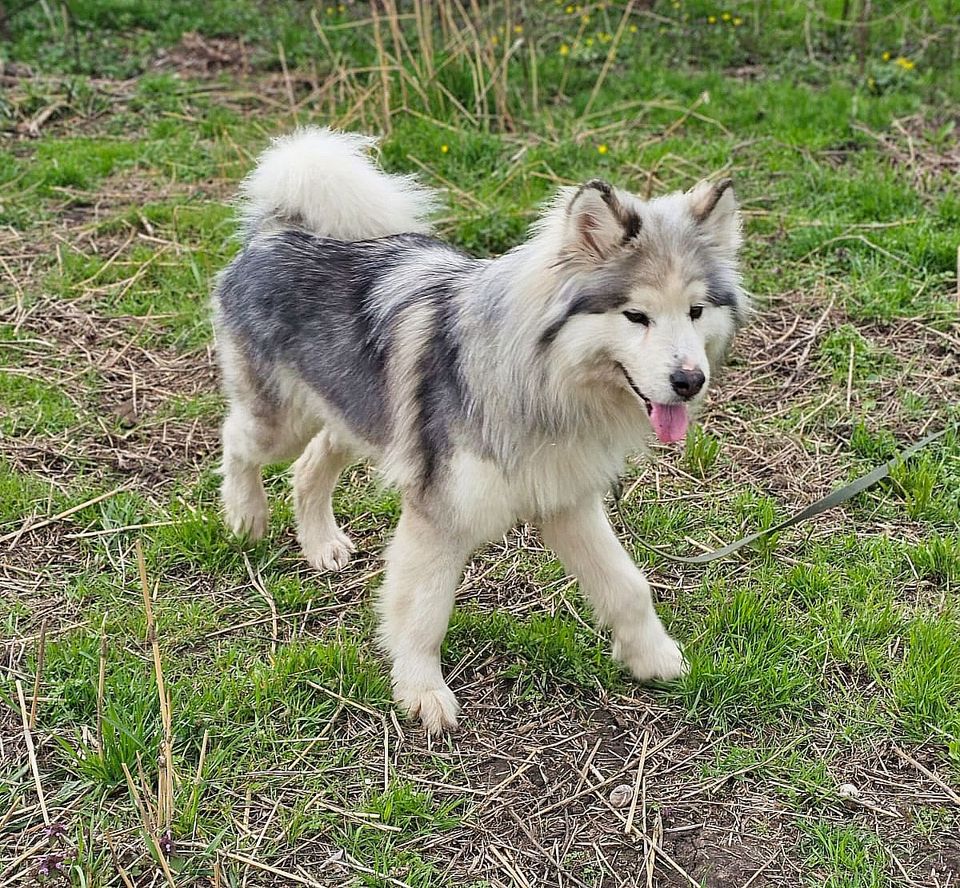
[
  {"x": 714, "y": 208},
  {"x": 598, "y": 224}
]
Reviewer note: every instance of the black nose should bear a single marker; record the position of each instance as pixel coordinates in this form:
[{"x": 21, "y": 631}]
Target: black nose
[{"x": 687, "y": 383}]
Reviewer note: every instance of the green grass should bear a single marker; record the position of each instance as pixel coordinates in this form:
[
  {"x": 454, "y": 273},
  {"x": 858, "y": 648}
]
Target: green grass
[
  {"x": 811, "y": 652},
  {"x": 845, "y": 857}
]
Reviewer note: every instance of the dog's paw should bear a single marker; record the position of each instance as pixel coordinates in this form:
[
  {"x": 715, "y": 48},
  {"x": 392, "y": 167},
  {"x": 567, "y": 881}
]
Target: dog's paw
[
  {"x": 436, "y": 707},
  {"x": 247, "y": 518},
  {"x": 331, "y": 553},
  {"x": 655, "y": 657}
]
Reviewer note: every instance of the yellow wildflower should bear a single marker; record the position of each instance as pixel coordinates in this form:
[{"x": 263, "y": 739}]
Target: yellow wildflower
[
  {"x": 711, "y": 19},
  {"x": 601, "y": 149},
  {"x": 564, "y": 49},
  {"x": 633, "y": 29},
  {"x": 569, "y": 10},
  {"x": 588, "y": 41},
  {"x": 726, "y": 16},
  {"x": 518, "y": 29},
  {"x": 886, "y": 56},
  {"x": 904, "y": 63},
  {"x": 444, "y": 149},
  {"x": 737, "y": 22},
  {"x": 585, "y": 19}
]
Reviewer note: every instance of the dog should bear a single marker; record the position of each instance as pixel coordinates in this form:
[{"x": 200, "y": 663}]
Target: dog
[{"x": 488, "y": 391}]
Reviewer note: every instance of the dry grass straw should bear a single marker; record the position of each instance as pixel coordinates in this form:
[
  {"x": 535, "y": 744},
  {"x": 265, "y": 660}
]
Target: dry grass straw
[
  {"x": 611, "y": 56},
  {"x": 603, "y": 784},
  {"x": 410, "y": 64},
  {"x": 29, "y": 526},
  {"x": 41, "y": 652},
  {"x": 256, "y": 580},
  {"x": 101, "y": 680},
  {"x": 636, "y": 783},
  {"x": 923, "y": 769},
  {"x": 32, "y": 754},
  {"x": 157, "y": 821}
]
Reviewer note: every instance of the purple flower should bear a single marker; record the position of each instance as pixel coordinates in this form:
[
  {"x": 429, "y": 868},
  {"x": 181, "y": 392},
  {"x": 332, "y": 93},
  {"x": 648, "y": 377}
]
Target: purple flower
[
  {"x": 56, "y": 832},
  {"x": 52, "y": 864}
]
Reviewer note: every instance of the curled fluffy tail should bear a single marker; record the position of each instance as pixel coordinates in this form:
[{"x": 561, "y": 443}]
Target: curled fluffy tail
[{"x": 326, "y": 182}]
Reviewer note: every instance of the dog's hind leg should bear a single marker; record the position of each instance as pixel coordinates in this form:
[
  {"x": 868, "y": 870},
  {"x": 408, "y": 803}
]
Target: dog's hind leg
[
  {"x": 254, "y": 436},
  {"x": 617, "y": 589},
  {"x": 315, "y": 476},
  {"x": 423, "y": 569},
  {"x": 261, "y": 428},
  {"x": 245, "y": 507}
]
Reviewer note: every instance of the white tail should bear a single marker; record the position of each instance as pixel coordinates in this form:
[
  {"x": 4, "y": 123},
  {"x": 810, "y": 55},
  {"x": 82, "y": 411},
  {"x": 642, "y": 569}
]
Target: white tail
[{"x": 326, "y": 182}]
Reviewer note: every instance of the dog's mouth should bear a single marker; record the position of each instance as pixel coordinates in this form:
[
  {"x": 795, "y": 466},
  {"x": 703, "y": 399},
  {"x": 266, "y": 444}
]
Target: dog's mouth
[{"x": 669, "y": 421}]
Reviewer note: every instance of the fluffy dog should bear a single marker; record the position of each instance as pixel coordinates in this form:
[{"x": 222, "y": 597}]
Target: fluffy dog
[{"x": 487, "y": 390}]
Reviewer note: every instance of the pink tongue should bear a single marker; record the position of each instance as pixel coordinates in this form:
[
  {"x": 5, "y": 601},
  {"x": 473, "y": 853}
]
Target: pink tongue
[{"x": 669, "y": 421}]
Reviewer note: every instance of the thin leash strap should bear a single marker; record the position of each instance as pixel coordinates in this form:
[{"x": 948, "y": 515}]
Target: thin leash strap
[{"x": 841, "y": 495}]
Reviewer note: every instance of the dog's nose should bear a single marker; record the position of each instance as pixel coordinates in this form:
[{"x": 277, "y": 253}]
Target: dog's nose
[{"x": 686, "y": 383}]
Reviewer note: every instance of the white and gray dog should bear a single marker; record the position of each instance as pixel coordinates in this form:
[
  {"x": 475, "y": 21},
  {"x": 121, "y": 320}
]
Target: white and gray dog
[{"x": 487, "y": 390}]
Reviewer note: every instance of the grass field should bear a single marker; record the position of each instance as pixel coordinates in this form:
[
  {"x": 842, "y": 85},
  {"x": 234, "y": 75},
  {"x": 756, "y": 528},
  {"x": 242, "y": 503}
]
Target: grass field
[{"x": 827, "y": 656}]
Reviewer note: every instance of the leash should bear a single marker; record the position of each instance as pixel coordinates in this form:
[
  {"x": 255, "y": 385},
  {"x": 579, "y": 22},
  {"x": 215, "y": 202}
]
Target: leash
[{"x": 841, "y": 495}]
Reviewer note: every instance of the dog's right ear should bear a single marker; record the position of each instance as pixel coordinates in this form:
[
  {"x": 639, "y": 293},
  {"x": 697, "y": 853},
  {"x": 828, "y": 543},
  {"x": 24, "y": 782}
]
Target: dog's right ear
[
  {"x": 714, "y": 209},
  {"x": 598, "y": 224}
]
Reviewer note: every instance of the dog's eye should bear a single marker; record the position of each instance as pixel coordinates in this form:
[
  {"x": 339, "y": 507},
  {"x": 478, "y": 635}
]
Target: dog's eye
[
  {"x": 695, "y": 312},
  {"x": 637, "y": 317}
]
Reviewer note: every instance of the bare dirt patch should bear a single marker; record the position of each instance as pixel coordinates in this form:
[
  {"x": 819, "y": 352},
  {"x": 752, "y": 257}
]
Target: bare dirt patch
[
  {"x": 125, "y": 431},
  {"x": 779, "y": 370},
  {"x": 198, "y": 56}
]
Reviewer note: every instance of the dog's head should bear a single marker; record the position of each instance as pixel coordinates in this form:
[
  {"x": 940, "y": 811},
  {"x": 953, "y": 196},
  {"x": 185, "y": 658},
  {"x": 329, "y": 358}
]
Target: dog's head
[{"x": 650, "y": 295}]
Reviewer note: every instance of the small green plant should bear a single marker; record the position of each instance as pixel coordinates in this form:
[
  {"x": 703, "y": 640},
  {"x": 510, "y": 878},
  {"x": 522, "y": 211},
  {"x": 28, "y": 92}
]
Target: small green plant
[
  {"x": 842, "y": 344},
  {"x": 845, "y": 857},
  {"x": 760, "y": 514},
  {"x": 871, "y": 445},
  {"x": 938, "y": 557},
  {"x": 701, "y": 452},
  {"x": 917, "y": 480},
  {"x": 926, "y": 685}
]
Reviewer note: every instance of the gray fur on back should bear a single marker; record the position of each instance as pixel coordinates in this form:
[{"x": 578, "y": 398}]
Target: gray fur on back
[{"x": 332, "y": 312}]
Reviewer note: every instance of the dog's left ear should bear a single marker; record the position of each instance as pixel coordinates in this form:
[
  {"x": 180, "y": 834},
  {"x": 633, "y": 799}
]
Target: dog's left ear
[
  {"x": 714, "y": 208},
  {"x": 598, "y": 224}
]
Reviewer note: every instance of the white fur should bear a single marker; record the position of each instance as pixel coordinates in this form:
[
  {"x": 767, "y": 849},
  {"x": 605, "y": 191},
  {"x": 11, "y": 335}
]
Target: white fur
[
  {"x": 315, "y": 476},
  {"x": 327, "y": 182}
]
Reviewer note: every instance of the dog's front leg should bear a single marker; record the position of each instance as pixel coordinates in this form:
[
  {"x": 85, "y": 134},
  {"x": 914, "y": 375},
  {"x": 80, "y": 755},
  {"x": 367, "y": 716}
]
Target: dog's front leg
[
  {"x": 423, "y": 568},
  {"x": 585, "y": 542}
]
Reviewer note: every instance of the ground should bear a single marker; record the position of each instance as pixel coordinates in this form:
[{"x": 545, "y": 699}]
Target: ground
[{"x": 816, "y": 740}]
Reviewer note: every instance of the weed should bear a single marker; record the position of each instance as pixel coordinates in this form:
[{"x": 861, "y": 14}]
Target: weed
[{"x": 700, "y": 451}]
